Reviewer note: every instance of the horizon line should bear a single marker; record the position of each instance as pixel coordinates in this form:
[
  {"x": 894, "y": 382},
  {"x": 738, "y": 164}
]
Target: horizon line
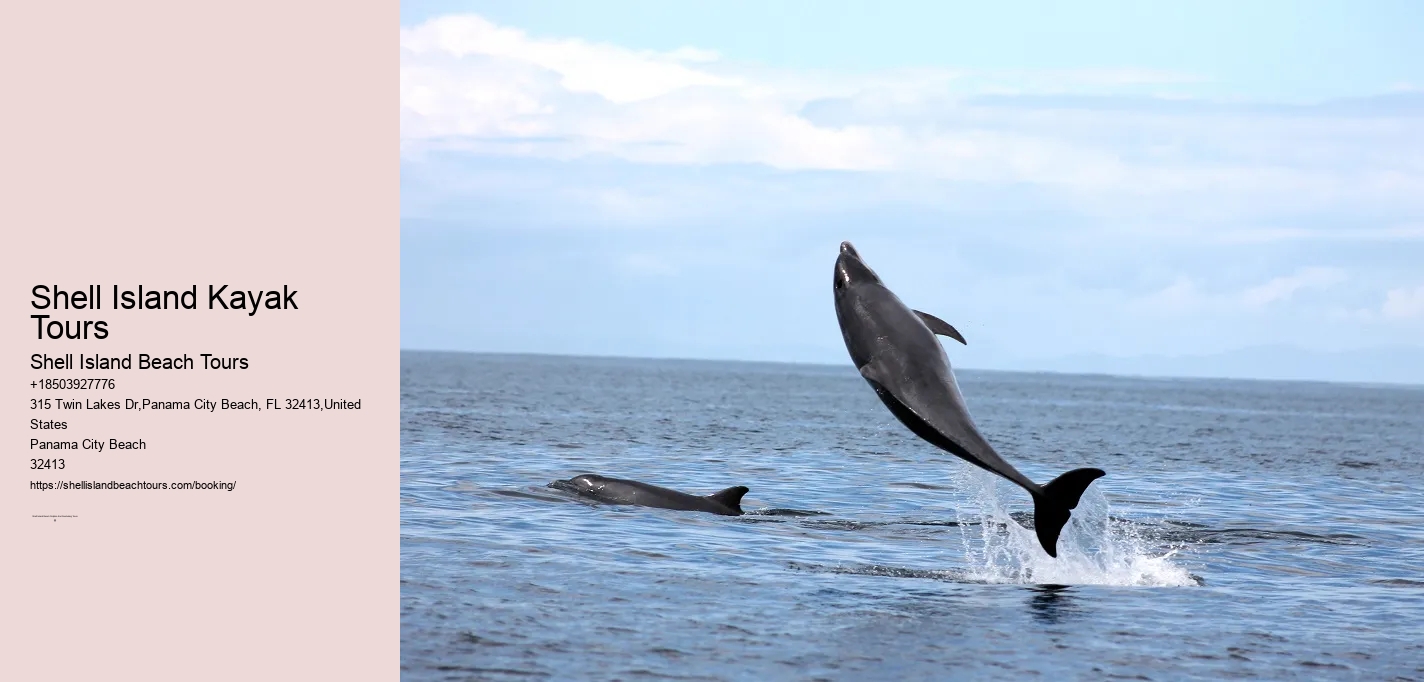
[{"x": 1363, "y": 384}]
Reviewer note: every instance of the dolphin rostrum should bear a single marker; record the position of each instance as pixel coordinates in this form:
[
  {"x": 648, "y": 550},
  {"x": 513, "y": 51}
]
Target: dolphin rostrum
[
  {"x": 622, "y": 491},
  {"x": 896, "y": 351}
]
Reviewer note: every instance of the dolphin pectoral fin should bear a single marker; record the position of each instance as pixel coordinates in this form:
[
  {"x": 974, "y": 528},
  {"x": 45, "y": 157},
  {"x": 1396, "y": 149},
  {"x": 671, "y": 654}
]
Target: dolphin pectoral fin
[
  {"x": 731, "y": 497},
  {"x": 941, "y": 327},
  {"x": 872, "y": 373},
  {"x": 881, "y": 381}
]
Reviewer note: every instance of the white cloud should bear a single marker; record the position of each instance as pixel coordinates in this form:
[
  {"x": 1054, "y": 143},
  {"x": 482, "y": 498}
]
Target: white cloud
[
  {"x": 470, "y": 85},
  {"x": 477, "y": 86},
  {"x": 1282, "y": 288},
  {"x": 1181, "y": 296},
  {"x": 1185, "y": 297},
  {"x": 485, "y": 86},
  {"x": 1404, "y": 303},
  {"x": 614, "y": 73},
  {"x": 1362, "y": 233}
]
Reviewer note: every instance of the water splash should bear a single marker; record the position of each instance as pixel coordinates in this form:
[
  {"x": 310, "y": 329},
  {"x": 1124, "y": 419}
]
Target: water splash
[{"x": 1092, "y": 550}]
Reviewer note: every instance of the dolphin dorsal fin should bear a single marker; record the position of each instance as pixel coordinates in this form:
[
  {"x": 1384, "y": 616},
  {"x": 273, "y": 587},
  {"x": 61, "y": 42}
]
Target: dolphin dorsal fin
[
  {"x": 941, "y": 327},
  {"x": 731, "y": 497}
]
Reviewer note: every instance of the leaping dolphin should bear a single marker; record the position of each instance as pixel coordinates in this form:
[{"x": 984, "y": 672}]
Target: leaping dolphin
[
  {"x": 896, "y": 351},
  {"x": 622, "y": 491}
]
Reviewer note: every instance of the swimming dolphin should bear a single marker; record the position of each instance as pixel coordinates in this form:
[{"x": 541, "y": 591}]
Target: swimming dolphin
[
  {"x": 622, "y": 491},
  {"x": 896, "y": 351}
]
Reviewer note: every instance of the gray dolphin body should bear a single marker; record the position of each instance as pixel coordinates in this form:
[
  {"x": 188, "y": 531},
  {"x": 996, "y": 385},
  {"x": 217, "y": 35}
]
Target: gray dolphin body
[
  {"x": 896, "y": 351},
  {"x": 622, "y": 491}
]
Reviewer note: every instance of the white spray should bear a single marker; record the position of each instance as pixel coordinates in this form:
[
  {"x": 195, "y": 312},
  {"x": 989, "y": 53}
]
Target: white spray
[{"x": 1091, "y": 550}]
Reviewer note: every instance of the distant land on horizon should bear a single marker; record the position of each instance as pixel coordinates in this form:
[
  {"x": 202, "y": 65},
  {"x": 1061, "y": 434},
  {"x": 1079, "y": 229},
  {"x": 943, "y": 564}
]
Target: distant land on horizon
[
  {"x": 1400, "y": 365},
  {"x": 1386, "y": 365}
]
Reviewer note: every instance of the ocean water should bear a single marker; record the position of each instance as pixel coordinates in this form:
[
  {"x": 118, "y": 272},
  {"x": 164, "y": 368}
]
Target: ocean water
[{"x": 1245, "y": 529}]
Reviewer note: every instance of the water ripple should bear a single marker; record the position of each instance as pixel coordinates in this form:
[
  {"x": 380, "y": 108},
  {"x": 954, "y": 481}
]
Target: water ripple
[{"x": 1245, "y": 529}]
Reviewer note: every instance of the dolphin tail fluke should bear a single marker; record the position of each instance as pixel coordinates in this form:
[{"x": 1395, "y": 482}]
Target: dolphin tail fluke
[{"x": 1054, "y": 505}]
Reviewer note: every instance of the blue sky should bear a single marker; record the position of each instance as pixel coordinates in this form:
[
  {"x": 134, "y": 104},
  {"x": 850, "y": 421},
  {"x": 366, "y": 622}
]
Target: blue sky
[{"x": 1070, "y": 184}]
